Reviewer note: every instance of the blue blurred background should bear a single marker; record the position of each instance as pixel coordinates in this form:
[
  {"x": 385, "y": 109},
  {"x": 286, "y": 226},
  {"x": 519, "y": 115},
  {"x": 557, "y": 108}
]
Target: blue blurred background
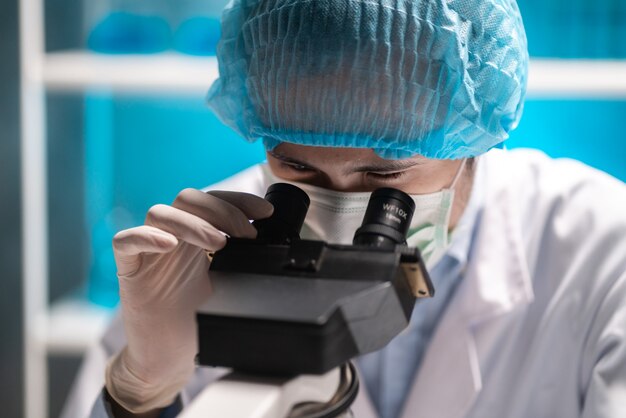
[
  {"x": 147, "y": 135},
  {"x": 113, "y": 156}
]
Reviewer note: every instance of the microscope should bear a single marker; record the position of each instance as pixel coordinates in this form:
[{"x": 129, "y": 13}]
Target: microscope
[{"x": 287, "y": 315}]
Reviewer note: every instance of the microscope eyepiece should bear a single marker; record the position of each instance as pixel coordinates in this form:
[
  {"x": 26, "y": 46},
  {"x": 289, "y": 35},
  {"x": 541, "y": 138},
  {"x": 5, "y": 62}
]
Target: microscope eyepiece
[
  {"x": 290, "y": 208},
  {"x": 387, "y": 219}
]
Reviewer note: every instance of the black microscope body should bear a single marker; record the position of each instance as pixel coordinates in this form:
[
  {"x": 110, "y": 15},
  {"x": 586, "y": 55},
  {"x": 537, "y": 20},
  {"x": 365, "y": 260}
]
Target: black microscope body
[{"x": 286, "y": 306}]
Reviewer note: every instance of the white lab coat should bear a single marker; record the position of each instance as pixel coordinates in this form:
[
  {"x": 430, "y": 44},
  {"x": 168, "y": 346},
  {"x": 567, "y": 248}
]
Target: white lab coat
[{"x": 537, "y": 327}]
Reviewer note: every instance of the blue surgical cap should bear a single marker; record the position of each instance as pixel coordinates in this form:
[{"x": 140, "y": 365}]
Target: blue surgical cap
[{"x": 445, "y": 79}]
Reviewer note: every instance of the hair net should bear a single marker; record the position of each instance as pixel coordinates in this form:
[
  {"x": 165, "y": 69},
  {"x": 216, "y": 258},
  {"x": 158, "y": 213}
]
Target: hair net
[{"x": 442, "y": 78}]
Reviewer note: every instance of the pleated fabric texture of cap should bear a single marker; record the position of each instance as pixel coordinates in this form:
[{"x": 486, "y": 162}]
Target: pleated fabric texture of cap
[{"x": 445, "y": 79}]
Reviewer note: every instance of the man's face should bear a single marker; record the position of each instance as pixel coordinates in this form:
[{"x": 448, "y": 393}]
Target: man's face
[{"x": 359, "y": 170}]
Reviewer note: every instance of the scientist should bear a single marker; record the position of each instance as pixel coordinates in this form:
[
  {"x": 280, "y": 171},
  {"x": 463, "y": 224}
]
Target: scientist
[{"x": 528, "y": 254}]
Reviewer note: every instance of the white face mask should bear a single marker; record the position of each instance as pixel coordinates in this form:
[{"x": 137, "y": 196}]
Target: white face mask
[{"x": 335, "y": 216}]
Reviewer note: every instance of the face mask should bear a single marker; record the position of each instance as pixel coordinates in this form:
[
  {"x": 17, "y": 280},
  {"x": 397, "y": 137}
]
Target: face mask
[{"x": 335, "y": 216}]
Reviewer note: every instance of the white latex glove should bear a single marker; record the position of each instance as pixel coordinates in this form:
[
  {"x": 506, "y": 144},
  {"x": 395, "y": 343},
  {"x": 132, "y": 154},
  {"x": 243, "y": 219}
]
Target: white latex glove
[{"x": 162, "y": 270}]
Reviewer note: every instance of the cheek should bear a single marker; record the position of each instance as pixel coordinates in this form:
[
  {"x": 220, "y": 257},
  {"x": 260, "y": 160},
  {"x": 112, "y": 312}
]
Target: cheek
[
  {"x": 419, "y": 185},
  {"x": 430, "y": 178},
  {"x": 276, "y": 167}
]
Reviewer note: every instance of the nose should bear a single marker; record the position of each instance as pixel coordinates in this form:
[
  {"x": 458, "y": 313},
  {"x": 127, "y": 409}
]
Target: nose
[{"x": 342, "y": 182}]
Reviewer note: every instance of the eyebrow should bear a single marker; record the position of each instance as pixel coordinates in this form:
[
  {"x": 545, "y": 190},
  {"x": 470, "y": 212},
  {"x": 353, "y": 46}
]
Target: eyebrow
[{"x": 385, "y": 166}]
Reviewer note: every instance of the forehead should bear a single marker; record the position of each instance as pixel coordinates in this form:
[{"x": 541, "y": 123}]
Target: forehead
[
  {"x": 336, "y": 156},
  {"x": 297, "y": 151}
]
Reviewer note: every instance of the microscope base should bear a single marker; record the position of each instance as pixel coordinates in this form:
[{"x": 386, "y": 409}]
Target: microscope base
[{"x": 239, "y": 395}]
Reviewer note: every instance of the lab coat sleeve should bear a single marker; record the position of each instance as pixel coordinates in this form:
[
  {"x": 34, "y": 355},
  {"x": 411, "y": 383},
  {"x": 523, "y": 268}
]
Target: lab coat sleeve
[
  {"x": 87, "y": 395},
  {"x": 605, "y": 359}
]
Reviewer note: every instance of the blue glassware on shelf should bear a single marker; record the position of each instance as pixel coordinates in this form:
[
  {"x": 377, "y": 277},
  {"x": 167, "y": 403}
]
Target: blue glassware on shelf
[
  {"x": 128, "y": 33},
  {"x": 128, "y": 26},
  {"x": 197, "y": 26},
  {"x": 198, "y": 36}
]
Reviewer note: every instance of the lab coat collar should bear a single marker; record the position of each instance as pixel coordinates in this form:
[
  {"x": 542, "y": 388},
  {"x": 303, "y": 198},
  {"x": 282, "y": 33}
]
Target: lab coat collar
[
  {"x": 496, "y": 282},
  {"x": 498, "y": 273}
]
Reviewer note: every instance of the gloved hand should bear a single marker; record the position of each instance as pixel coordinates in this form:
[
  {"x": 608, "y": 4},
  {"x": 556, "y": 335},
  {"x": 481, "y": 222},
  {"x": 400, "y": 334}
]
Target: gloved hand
[{"x": 162, "y": 269}]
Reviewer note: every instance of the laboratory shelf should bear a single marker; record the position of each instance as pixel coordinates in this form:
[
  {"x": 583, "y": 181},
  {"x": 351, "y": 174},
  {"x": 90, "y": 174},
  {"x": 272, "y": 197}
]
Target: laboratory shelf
[
  {"x": 184, "y": 74},
  {"x": 161, "y": 73},
  {"x": 597, "y": 79},
  {"x": 72, "y": 326}
]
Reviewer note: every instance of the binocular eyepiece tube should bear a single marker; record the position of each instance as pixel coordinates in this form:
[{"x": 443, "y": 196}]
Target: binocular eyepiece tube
[
  {"x": 387, "y": 219},
  {"x": 304, "y": 306},
  {"x": 290, "y": 207},
  {"x": 385, "y": 224}
]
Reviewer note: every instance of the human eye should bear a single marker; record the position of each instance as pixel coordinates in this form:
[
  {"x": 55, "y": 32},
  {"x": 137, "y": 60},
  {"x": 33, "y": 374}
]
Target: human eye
[
  {"x": 297, "y": 167},
  {"x": 386, "y": 176}
]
